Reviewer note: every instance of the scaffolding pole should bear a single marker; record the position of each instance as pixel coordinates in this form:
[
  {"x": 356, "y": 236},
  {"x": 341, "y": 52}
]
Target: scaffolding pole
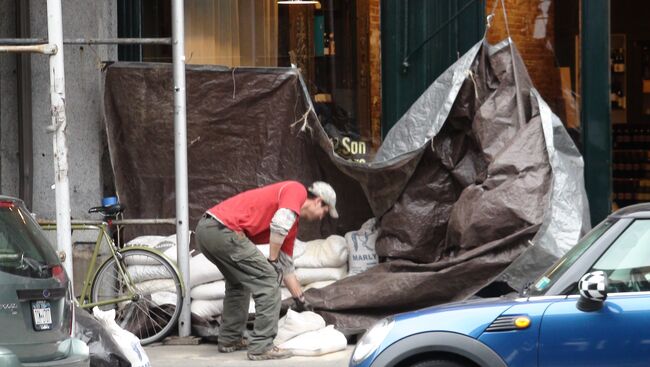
[
  {"x": 180, "y": 161},
  {"x": 57, "y": 97}
]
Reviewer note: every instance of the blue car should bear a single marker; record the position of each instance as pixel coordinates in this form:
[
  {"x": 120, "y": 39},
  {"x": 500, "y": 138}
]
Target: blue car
[{"x": 591, "y": 308}]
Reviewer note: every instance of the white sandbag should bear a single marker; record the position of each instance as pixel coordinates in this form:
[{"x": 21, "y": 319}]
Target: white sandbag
[
  {"x": 207, "y": 309},
  {"x": 361, "y": 245},
  {"x": 128, "y": 343},
  {"x": 141, "y": 273},
  {"x": 156, "y": 285},
  {"x": 318, "y": 285},
  {"x": 158, "y": 242},
  {"x": 172, "y": 253},
  {"x": 317, "y": 342},
  {"x": 296, "y": 323},
  {"x": 202, "y": 271},
  {"x": 164, "y": 298},
  {"x": 312, "y": 275},
  {"x": 331, "y": 252},
  {"x": 140, "y": 260},
  {"x": 209, "y": 291}
]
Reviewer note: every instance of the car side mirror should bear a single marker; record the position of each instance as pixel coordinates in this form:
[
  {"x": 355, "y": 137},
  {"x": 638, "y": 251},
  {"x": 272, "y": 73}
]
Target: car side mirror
[{"x": 593, "y": 291}]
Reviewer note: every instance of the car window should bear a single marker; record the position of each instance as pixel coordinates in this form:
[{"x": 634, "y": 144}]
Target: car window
[
  {"x": 24, "y": 250},
  {"x": 550, "y": 277},
  {"x": 627, "y": 260}
]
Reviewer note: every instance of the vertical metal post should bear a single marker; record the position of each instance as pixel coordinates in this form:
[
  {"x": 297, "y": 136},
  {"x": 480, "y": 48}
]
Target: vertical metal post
[
  {"x": 57, "y": 97},
  {"x": 595, "y": 111},
  {"x": 180, "y": 160}
]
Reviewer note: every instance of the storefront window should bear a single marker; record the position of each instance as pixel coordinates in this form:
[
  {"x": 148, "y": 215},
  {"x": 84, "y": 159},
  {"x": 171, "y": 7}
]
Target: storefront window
[{"x": 630, "y": 102}]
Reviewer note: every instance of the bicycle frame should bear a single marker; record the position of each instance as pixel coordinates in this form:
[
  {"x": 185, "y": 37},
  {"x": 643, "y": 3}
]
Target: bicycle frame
[{"x": 85, "y": 296}]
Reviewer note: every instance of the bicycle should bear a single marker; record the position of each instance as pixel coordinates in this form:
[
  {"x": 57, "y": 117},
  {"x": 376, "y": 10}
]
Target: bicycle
[{"x": 140, "y": 283}]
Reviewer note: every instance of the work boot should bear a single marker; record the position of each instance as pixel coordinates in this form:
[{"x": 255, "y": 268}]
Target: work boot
[
  {"x": 233, "y": 347},
  {"x": 271, "y": 353}
]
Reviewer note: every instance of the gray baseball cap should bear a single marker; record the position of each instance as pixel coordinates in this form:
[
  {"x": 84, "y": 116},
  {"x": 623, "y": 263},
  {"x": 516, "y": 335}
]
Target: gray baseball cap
[{"x": 324, "y": 191}]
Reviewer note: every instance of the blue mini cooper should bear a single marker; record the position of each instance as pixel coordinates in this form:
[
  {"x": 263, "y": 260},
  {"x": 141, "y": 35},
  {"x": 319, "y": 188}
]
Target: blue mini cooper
[{"x": 591, "y": 308}]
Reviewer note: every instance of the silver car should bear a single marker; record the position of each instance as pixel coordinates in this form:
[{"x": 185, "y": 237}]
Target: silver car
[{"x": 36, "y": 305}]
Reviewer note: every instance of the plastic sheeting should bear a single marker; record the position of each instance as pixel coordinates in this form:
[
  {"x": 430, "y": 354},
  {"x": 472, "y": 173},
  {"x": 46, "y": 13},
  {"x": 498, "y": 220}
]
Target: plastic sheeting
[
  {"x": 462, "y": 186},
  {"x": 104, "y": 351}
]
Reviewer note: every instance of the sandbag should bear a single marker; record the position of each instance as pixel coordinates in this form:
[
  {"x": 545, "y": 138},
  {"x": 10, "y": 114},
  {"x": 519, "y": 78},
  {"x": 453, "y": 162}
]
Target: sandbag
[
  {"x": 331, "y": 252},
  {"x": 172, "y": 254},
  {"x": 296, "y": 323},
  {"x": 203, "y": 270},
  {"x": 128, "y": 343},
  {"x": 317, "y": 342},
  {"x": 210, "y": 309},
  {"x": 361, "y": 245},
  {"x": 209, "y": 291},
  {"x": 142, "y": 273},
  {"x": 312, "y": 275},
  {"x": 160, "y": 243},
  {"x": 163, "y": 298},
  {"x": 156, "y": 285},
  {"x": 207, "y": 309}
]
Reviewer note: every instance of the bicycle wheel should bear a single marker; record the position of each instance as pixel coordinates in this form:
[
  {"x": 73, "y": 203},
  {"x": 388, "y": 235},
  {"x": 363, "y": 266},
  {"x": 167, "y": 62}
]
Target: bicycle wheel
[{"x": 154, "y": 292}]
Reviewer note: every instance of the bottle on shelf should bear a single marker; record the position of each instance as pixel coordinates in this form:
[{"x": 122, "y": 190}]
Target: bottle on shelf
[
  {"x": 620, "y": 99},
  {"x": 621, "y": 60},
  {"x": 326, "y": 44}
]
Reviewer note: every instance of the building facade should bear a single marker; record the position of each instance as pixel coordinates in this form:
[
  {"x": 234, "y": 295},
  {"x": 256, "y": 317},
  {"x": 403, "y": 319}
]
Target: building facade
[{"x": 364, "y": 63}]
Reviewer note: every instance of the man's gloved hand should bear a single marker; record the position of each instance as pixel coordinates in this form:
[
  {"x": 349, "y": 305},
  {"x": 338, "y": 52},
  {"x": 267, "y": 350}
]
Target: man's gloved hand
[
  {"x": 300, "y": 304},
  {"x": 278, "y": 269}
]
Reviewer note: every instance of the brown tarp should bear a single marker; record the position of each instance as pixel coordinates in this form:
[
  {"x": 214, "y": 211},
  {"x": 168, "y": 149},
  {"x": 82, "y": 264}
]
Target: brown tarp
[{"x": 460, "y": 187}]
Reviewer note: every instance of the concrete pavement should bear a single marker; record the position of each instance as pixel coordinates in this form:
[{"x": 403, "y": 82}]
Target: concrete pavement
[{"x": 206, "y": 355}]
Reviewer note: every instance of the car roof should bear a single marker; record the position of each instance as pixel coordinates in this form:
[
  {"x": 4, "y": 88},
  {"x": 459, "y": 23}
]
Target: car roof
[{"x": 633, "y": 211}]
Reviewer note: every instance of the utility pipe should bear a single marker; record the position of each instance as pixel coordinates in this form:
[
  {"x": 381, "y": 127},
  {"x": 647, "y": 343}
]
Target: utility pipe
[
  {"x": 57, "y": 97},
  {"x": 180, "y": 160},
  {"x": 89, "y": 41},
  {"x": 24, "y": 93},
  {"x": 48, "y": 49}
]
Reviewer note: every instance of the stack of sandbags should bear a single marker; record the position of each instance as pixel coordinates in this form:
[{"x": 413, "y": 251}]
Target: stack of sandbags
[
  {"x": 305, "y": 334},
  {"x": 150, "y": 277},
  {"x": 208, "y": 288},
  {"x": 320, "y": 262}
]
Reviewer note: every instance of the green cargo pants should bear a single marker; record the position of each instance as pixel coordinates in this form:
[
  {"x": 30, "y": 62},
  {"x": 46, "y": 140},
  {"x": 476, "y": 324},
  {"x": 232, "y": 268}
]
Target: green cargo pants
[{"x": 246, "y": 271}]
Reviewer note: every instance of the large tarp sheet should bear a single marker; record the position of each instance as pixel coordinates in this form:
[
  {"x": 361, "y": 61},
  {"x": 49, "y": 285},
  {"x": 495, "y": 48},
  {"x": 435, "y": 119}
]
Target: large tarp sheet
[{"x": 477, "y": 185}]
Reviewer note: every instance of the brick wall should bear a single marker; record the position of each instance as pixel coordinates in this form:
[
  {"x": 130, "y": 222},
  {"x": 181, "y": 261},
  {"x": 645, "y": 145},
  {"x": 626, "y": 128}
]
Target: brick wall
[
  {"x": 531, "y": 28},
  {"x": 375, "y": 72}
]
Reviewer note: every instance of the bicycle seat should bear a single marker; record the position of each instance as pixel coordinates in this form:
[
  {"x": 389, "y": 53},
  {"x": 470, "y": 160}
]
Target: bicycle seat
[{"x": 109, "y": 211}]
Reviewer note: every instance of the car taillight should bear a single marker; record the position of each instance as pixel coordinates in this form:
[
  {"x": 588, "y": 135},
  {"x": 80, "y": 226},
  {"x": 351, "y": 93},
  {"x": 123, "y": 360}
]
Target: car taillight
[
  {"x": 58, "y": 273},
  {"x": 6, "y": 204}
]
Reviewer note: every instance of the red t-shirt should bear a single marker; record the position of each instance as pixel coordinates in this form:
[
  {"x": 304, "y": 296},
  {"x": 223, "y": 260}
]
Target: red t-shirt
[{"x": 251, "y": 211}]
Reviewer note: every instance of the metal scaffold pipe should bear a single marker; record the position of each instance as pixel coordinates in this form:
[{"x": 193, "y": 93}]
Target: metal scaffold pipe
[
  {"x": 180, "y": 160},
  {"x": 60, "y": 146},
  {"x": 88, "y": 41},
  {"x": 39, "y": 49}
]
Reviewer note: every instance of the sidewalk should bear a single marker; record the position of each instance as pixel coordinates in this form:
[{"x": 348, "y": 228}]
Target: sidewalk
[{"x": 204, "y": 355}]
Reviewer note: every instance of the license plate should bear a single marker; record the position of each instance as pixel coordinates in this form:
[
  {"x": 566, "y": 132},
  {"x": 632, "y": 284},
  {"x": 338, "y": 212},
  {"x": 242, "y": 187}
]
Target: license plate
[{"x": 42, "y": 315}]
